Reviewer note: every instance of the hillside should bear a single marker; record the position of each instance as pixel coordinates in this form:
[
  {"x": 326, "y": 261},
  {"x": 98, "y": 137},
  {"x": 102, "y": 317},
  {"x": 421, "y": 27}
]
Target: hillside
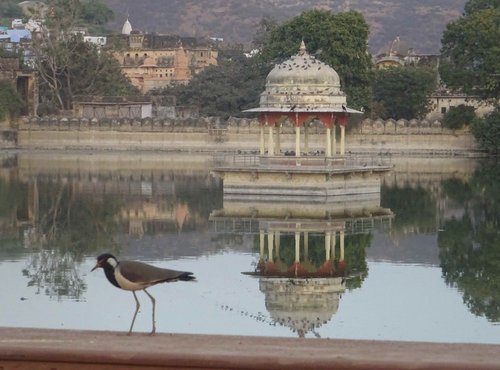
[{"x": 418, "y": 23}]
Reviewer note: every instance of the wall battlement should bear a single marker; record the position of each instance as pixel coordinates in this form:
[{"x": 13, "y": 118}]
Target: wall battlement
[
  {"x": 233, "y": 124},
  {"x": 212, "y": 134}
]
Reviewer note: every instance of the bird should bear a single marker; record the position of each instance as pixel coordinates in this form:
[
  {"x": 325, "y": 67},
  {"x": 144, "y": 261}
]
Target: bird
[{"x": 133, "y": 276}]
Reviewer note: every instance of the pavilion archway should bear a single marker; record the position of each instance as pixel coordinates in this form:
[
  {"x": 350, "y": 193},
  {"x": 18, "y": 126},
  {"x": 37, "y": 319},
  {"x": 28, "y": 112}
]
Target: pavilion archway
[{"x": 332, "y": 121}]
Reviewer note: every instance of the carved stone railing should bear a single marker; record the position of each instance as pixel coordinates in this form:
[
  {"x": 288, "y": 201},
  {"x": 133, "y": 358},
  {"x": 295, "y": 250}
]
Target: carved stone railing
[{"x": 218, "y": 127}]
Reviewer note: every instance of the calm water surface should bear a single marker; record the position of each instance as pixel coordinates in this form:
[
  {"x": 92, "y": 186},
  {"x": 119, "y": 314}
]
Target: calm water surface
[{"x": 429, "y": 272}]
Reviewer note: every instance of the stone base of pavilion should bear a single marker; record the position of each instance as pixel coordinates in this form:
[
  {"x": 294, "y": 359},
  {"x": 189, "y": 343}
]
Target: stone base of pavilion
[{"x": 308, "y": 179}]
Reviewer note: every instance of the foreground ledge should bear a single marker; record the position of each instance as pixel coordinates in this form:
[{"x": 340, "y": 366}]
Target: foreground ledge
[{"x": 66, "y": 349}]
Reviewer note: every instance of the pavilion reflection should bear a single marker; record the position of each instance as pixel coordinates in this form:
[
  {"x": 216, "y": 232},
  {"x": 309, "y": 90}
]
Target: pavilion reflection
[{"x": 308, "y": 253}]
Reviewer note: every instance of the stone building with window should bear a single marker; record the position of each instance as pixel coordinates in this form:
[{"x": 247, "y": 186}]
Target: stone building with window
[
  {"x": 154, "y": 61},
  {"x": 25, "y": 82},
  {"x": 398, "y": 53}
]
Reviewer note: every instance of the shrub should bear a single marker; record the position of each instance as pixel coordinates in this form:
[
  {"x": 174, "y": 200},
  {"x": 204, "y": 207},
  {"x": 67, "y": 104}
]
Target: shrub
[{"x": 458, "y": 117}]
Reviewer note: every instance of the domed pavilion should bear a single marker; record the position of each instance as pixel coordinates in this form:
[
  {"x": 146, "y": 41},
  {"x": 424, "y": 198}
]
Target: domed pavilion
[
  {"x": 301, "y": 93},
  {"x": 301, "y": 89}
]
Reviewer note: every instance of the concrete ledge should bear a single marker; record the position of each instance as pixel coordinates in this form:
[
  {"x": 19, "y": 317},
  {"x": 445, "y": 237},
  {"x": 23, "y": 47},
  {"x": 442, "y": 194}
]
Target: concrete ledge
[{"x": 65, "y": 349}]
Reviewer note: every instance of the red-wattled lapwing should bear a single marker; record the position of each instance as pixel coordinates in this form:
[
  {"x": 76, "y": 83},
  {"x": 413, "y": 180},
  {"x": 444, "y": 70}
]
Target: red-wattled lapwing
[{"x": 132, "y": 275}]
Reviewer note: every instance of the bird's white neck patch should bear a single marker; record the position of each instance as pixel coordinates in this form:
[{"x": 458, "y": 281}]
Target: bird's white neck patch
[{"x": 113, "y": 262}]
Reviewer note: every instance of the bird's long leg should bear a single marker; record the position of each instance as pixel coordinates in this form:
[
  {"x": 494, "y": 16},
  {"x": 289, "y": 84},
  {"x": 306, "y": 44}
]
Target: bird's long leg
[
  {"x": 137, "y": 305},
  {"x": 154, "y": 304}
]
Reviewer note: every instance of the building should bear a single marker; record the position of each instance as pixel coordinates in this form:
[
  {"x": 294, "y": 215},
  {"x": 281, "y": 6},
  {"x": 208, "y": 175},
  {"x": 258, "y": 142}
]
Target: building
[
  {"x": 112, "y": 107},
  {"x": 304, "y": 93},
  {"x": 154, "y": 61},
  {"x": 398, "y": 53},
  {"x": 300, "y": 90},
  {"x": 25, "y": 82}
]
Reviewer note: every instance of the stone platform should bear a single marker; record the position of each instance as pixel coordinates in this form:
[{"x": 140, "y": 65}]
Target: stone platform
[{"x": 36, "y": 349}]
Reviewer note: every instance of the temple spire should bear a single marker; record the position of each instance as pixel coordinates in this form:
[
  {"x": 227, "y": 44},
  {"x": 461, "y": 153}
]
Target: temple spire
[{"x": 302, "y": 49}]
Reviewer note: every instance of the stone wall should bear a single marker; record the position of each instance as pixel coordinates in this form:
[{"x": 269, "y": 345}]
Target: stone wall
[{"x": 235, "y": 134}]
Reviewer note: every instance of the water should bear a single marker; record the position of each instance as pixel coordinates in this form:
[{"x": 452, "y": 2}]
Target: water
[{"x": 427, "y": 273}]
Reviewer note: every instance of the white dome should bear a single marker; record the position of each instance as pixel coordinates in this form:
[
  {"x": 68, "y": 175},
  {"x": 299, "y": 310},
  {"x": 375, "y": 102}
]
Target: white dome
[
  {"x": 127, "y": 28},
  {"x": 303, "y": 82}
]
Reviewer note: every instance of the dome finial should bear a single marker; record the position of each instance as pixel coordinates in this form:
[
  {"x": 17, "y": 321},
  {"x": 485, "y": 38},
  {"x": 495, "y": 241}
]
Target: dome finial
[{"x": 302, "y": 49}]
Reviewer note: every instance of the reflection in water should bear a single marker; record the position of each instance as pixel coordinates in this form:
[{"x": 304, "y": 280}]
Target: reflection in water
[
  {"x": 55, "y": 215},
  {"x": 55, "y": 273},
  {"x": 303, "y": 305},
  {"x": 64, "y": 214},
  {"x": 469, "y": 243},
  {"x": 308, "y": 254}
]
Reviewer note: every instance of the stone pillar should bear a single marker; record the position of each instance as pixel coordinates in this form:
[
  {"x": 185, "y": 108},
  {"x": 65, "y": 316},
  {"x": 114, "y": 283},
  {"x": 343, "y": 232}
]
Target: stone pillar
[
  {"x": 297, "y": 141},
  {"x": 334, "y": 244},
  {"x": 297, "y": 246},
  {"x": 334, "y": 140},
  {"x": 306, "y": 138},
  {"x": 342, "y": 140},
  {"x": 328, "y": 148},
  {"x": 341, "y": 257},
  {"x": 328, "y": 237},
  {"x": 262, "y": 148},
  {"x": 262, "y": 242},
  {"x": 278, "y": 140},
  {"x": 271, "y": 141},
  {"x": 270, "y": 245}
]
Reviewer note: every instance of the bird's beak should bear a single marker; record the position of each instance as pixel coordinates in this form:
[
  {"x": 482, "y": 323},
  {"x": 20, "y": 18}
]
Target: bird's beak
[{"x": 96, "y": 266}]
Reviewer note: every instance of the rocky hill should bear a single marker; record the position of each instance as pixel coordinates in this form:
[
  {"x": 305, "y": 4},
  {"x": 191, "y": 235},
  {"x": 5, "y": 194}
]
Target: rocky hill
[{"x": 418, "y": 23}]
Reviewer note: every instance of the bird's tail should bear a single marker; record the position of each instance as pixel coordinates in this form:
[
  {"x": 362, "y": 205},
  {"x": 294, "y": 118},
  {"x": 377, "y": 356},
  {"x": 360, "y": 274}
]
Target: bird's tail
[{"x": 186, "y": 276}]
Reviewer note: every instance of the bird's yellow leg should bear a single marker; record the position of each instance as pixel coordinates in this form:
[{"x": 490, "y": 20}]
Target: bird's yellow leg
[
  {"x": 153, "y": 301},
  {"x": 137, "y": 305}
]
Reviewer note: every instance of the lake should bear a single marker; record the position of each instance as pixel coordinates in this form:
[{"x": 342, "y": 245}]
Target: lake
[{"x": 428, "y": 269}]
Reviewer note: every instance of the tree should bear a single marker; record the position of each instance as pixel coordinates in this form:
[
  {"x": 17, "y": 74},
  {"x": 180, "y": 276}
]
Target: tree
[
  {"x": 471, "y": 63},
  {"x": 459, "y": 116},
  {"x": 9, "y": 9},
  {"x": 469, "y": 246},
  {"x": 226, "y": 89},
  {"x": 67, "y": 65},
  {"x": 10, "y": 101},
  {"x": 96, "y": 13},
  {"x": 470, "y": 55},
  {"x": 487, "y": 131},
  {"x": 403, "y": 92},
  {"x": 340, "y": 40}
]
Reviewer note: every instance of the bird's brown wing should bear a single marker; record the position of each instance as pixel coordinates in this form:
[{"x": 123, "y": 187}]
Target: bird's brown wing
[{"x": 138, "y": 272}]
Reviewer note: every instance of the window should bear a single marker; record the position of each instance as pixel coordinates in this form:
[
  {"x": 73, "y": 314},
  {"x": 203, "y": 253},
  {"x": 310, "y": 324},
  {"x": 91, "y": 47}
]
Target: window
[{"x": 443, "y": 110}]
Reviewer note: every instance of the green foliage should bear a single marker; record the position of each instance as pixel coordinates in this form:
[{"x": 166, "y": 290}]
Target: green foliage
[
  {"x": 457, "y": 117},
  {"x": 9, "y": 9},
  {"x": 9, "y": 198},
  {"x": 226, "y": 89},
  {"x": 457, "y": 190},
  {"x": 487, "y": 131},
  {"x": 10, "y": 101},
  {"x": 76, "y": 223},
  {"x": 403, "y": 92},
  {"x": 94, "y": 12},
  {"x": 79, "y": 68},
  {"x": 413, "y": 207},
  {"x": 67, "y": 66},
  {"x": 355, "y": 257},
  {"x": 340, "y": 40},
  {"x": 470, "y": 53},
  {"x": 470, "y": 246}
]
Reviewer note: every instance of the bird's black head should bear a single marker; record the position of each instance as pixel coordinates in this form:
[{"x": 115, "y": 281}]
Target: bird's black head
[{"x": 105, "y": 259}]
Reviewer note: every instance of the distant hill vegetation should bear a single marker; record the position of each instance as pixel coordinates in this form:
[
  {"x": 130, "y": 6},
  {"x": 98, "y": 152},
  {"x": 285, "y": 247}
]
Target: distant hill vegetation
[{"x": 418, "y": 23}]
